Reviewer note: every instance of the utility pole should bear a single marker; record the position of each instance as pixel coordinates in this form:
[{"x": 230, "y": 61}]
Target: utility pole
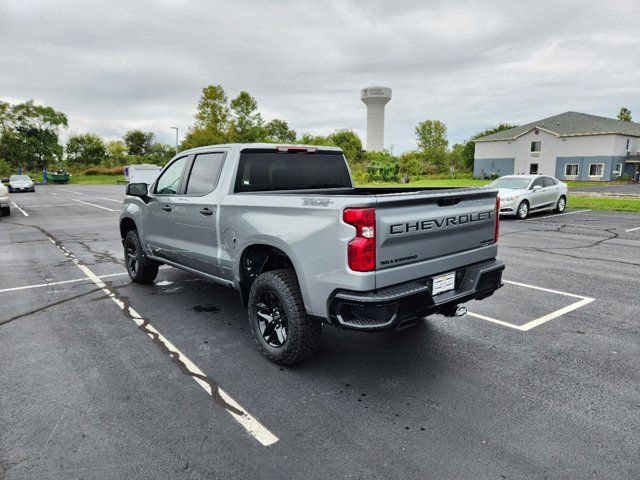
[{"x": 176, "y": 129}]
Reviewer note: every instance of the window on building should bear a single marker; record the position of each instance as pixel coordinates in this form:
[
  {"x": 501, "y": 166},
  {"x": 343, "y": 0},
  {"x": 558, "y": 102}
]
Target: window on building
[
  {"x": 536, "y": 146},
  {"x": 596, "y": 169},
  {"x": 618, "y": 171},
  {"x": 571, "y": 170},
  {"x": 628, "y": 144},
  {"x": 533, "y": 169}
]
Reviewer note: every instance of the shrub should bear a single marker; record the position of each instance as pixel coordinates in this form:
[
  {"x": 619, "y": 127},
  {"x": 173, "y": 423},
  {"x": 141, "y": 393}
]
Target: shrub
[
  {"x": 96, "y": 170},
  {"x": 383, "y": 172}
]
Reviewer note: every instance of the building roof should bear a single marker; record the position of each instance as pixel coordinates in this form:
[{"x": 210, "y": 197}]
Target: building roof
[{"x": 569, "y": 124}]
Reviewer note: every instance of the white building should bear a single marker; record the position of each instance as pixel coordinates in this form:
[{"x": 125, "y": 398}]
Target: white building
[{"x": 569, "y": 146}]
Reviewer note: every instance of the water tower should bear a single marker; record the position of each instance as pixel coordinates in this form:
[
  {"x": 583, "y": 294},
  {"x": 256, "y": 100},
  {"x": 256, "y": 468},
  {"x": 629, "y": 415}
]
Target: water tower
[{"x": 375, "y": 98}]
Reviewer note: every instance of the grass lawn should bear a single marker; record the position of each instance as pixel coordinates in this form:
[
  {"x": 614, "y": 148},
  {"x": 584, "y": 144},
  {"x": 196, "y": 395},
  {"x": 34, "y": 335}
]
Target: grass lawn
[
  {"x": 95, "y": 179},
  {"x": 598, "y": 203}
]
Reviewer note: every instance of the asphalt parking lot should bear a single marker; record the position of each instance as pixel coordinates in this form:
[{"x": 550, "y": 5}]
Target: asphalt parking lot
[{"x": 540, "y": 381}]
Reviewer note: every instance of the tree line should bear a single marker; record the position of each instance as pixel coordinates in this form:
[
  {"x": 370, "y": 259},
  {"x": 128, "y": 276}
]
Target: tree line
[{"x": 30, "y": 138}]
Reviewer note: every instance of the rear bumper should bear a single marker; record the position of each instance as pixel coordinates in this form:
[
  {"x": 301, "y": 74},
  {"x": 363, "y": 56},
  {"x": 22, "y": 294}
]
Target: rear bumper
[{"x": 389, "y": 308}]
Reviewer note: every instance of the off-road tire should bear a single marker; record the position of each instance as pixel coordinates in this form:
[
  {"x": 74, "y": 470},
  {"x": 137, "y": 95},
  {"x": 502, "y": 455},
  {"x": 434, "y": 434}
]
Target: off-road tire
[
  {"x": 142, "y": 270},
  {"x": 303, "y": 333},
  {"x": 519, "y": 214}
]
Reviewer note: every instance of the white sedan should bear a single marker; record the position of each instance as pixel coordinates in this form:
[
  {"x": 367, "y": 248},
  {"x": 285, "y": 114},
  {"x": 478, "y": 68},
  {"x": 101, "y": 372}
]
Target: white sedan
[
  {"x": 524, "y": 194},
  {"x": 5, "y": 209}
]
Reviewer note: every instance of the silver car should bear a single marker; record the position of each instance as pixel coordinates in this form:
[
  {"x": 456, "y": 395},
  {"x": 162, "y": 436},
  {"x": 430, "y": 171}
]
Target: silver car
[
  {"x": 521, "y": 195},
  {"x": 21, "y": 183},
  {"x": 5, "y": 209}
]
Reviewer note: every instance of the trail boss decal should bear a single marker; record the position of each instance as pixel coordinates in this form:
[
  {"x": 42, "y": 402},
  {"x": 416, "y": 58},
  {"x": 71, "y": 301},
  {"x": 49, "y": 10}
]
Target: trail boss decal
[{"x": 438, "y": 223}]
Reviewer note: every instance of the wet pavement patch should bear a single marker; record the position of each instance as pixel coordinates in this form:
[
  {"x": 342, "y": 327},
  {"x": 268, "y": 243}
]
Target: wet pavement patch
[{"x": 206, "y": 308}]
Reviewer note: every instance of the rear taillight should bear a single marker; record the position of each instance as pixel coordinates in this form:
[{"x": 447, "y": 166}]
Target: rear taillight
[
  {"x": 497, "y": 234},
  {"x": 362, "y": 249}
]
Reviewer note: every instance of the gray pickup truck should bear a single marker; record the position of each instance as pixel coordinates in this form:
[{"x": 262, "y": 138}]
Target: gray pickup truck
[{"x": 287, "y": 228}]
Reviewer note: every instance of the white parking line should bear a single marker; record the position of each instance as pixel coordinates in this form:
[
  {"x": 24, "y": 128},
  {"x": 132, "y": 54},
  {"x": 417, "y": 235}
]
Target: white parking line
[
  {"x": 111, "y": 200},
  {"x": 94, "y": 205},
  {"x": 556, "y": 215},
  {"x": 71, "y": 191},
  {"x": 239, "y": 414},
  {"x": 632, "y": 229},
  {"x": 21, "y": 210},
  {"x": 49, "y": 205},
  {"x": 51, "y": 193},
  {"x": 49, "y": 284},
  {"x": 545, "y": 318}
]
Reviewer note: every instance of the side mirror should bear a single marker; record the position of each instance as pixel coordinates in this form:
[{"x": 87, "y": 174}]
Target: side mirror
[
  {"x": 536, "y": 188},
  {"x": 137, "y": 190}
]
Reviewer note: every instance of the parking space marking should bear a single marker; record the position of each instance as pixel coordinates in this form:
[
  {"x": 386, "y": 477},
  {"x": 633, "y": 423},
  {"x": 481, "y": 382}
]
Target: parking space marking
[
  {"x": 632, "y": 229},
  {"x": 71, "y": 191},
  {"x": 112, "y": 200},
  {"x": 555, "y": 215},
  {"x": 51, "y": 193},
  {"x": 49, "y": 284},
  {"x": 545, "y": 318},
  {"x": 238, "y": 413},
  {"x": 94, "y": 205},
  {"x": 21, "y": 210},
  {"x": 49, "y": 205}
]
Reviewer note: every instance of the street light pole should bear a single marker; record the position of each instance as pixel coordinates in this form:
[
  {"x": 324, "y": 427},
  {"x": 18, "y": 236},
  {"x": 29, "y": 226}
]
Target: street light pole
[{"x": 176, "y": 129}]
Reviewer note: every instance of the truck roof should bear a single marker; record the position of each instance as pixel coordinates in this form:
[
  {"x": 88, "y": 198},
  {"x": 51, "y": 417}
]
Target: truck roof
[{"x": 266, "y": 146}]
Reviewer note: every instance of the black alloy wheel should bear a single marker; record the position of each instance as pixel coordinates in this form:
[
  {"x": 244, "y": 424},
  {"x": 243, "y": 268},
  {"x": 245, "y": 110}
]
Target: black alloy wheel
[{"x": 272, "y": 319}]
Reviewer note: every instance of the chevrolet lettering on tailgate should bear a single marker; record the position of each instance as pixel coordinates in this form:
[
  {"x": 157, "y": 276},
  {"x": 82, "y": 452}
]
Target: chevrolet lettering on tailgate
[{"x": 437, "y": 223}]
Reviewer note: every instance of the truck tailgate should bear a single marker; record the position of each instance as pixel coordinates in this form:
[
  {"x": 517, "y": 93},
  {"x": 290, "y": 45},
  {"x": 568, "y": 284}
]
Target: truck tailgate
[{"x": 425, "y": 233}]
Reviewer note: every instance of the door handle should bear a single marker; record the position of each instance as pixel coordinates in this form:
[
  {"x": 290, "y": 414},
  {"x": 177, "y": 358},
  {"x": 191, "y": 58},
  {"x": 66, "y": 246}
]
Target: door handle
[
  {"x": 206, "y": 211},
  {"x": 167, "y": 208}
]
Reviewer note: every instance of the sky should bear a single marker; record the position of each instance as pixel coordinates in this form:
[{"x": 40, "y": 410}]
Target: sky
[{"x": 112, "y": 66}]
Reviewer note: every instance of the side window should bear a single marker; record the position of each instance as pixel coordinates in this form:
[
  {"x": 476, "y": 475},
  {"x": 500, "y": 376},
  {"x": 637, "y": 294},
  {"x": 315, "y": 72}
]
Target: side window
[
  {"x": 205, "y": 173},
  {"x": 548, "y": 182},
  {"x": 169, "y": 181},
  {"x": 537, "y": 183}
]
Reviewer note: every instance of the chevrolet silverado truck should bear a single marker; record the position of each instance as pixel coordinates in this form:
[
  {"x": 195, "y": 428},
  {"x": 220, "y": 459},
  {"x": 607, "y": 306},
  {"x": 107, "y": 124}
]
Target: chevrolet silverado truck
[{"x": 288, "y": 229}]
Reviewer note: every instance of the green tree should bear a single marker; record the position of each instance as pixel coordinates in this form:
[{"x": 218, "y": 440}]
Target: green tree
[
  {"x": 213, "y": 110},
  {"x": 625, "y": 115},
  {"x": 349, "y": 142},
  {"x": 86, "y": 149},
  {"x": 160, "y": 153},
  {"x": 212, "y": 119},
  {"x": 431, "y": 136},
  {"x": 247, "y": 125},
  {"x": 279, "y": 131},
  {"x": 116, "y": 153},
  {"x": 29, "y": 134},
  {"x": 138, "y": 142}
]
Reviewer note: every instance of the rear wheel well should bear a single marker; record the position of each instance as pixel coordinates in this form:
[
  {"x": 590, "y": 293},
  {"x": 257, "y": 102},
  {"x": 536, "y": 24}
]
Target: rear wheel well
[
  {"x": 126, "y": 225},
  {"x": 257, "y": 259}
]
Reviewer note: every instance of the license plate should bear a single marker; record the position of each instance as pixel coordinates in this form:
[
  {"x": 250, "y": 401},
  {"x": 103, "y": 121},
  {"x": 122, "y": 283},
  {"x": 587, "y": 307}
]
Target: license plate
[{"x": 443, "y": 283}]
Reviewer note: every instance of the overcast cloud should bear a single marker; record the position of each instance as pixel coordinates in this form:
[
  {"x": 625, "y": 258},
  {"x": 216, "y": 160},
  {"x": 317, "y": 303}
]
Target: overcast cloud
[{"x": 112, "y": 66}]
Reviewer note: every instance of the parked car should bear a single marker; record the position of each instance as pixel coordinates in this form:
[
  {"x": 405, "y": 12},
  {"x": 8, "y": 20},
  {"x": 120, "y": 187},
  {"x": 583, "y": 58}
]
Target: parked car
[
  {"x": 521, "y": 195},
  {"x": 287, "y": 228},
  {"x": 21, "y": 183},
  {"x": 5, "y": 208}
]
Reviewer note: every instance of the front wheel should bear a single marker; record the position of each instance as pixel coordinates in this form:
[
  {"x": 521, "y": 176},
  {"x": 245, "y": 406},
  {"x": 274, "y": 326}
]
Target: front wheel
[
  {"x": 5, "y": 211},
  {"x": 523, "y": 210},
  {"x": 280, "y": 325},
  {"x": 561, "y": 205},
  {"x": 140, "y": 268}
]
